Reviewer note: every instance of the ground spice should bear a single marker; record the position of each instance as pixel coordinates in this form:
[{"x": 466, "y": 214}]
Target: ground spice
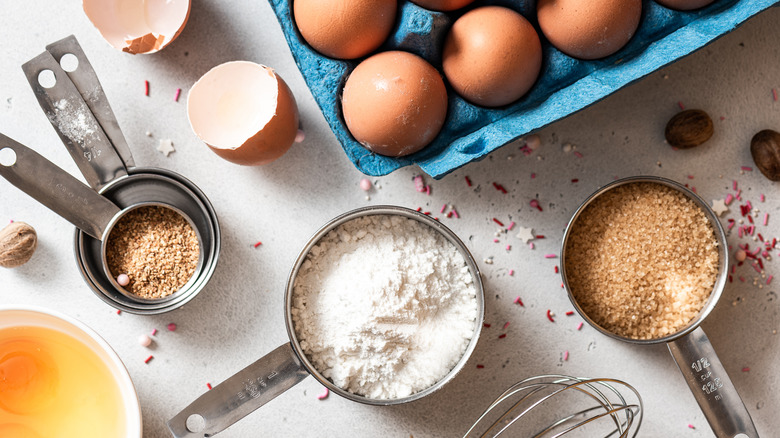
[
  {"x": 642, "y": 260},
  {"x": 156, "y": 247}
]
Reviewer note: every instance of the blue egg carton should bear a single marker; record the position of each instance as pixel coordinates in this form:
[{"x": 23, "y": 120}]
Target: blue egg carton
[{"x": 565, "y": 85}]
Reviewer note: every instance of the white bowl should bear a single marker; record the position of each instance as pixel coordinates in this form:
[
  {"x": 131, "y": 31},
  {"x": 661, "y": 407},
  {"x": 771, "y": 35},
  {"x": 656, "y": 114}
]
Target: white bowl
[{"x": 14, "y": 316}]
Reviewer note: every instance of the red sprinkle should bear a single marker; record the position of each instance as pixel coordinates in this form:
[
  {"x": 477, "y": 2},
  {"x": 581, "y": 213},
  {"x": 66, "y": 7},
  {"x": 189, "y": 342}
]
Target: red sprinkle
[
  {"x": 148, "y": 359},
  {"x": 519, "y": 301},
  {"x": 550, "y": 256},
  {"x": 535, "y": 204},
  {"x": 579, "y": 326},
  {"x": 747, "y": 168},
  {"x": 570, "y": 313},
  {"x": 146, "y": 88},
  {"x": 556, "y": 269},
  {"x": 118, "y": 312},
  {"x": 178, "y": 93},
  {"x": 506, "y": 325},
  {"x": 324, "y": 395},
  {"x": 500, "y": 188},
  {"x": 680, "y": 104},
  {"x": 208, "y": 385},
  {"x": 486, "y": 325},
  {"x": 577, "y": 154},
  {"x": 468, "y": 181},
  {"x": 500, "y": 224},
  {"x": 257, "y": 244},
  {"x": 171, "y": 327},
  {"x": 575, "y": 180},
  {"x": 540, "y": 236},
  {"x": 745, "y": 369},
  {"x": 502, "y": 336},
  {"x": 480, "y": 366},
  {"x": 549, "y": 316},
  {"x": 154, "y": 332}
]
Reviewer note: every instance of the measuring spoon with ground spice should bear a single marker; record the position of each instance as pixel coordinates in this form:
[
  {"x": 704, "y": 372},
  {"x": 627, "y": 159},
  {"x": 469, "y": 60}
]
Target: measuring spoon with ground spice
[{"x": 154, "y": 244}]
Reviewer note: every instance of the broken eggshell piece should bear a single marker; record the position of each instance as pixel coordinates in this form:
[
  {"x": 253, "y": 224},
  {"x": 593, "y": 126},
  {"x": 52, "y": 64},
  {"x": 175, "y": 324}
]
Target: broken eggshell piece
[
  {"x": 138, "y": 26},
  {"x": 244, "y": 112}
]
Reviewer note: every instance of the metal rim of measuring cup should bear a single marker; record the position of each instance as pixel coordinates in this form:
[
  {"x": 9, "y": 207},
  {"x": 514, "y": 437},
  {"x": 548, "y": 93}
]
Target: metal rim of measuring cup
[
  {"x": 720, "y": 236},
  {"x": 109, "y": 275},
  {"x": 101, "y": 284},
  {"x": 386, "y": 210}
]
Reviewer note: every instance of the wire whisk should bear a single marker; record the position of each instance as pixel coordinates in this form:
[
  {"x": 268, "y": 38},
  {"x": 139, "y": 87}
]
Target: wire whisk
[{"x": 608, "y": 409}]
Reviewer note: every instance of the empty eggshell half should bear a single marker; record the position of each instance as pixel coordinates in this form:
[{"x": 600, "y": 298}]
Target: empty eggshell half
[
  {"x": 138, "y": 26},
  {"x": 244, "y": 112}
]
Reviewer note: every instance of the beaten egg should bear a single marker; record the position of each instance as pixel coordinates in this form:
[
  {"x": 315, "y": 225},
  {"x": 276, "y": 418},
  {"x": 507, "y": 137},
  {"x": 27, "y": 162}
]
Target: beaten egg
[
  {"x": 589, "y": 29},
  {"x": 492, "y": 56},
  {"x": 394, "y": 103}
]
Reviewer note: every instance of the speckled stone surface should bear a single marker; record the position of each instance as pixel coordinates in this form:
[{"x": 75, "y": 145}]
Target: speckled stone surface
[
  {"x": 566, "y": 84},
  {"x": 239, "y": 316}
]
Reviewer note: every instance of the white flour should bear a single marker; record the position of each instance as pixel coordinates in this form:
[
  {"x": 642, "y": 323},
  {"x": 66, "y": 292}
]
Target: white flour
[{"x": 384, "y": 306}]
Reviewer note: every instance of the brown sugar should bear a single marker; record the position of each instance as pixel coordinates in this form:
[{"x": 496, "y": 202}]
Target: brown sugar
[
  {"x": 642, "y": 260},
  {"x": 156, "y": 248}
]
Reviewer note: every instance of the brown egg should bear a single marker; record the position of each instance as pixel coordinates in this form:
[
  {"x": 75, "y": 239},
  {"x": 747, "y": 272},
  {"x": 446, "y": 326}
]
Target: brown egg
[
  {"x": 589, "y": 29},
  {"x": 138, "y": 26},
  {"x": 244, "y": 112},
  {"x": 394, "y": 103},
  {"x": 345, "y": 29},
  {"x": 684, "y": 5},
  {"x": 492, "y": 56},
  {"x": 442, "y": 5}
]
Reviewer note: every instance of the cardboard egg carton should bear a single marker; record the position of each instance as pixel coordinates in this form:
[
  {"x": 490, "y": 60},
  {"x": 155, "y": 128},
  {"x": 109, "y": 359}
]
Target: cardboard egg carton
[{"x": 565, "y": 85}]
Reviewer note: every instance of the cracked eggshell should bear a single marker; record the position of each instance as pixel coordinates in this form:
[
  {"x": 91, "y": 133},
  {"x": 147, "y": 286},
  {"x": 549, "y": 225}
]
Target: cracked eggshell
[
  {"x": 138, "y": 26},
  {"x": 394, "y": 103},
  {"x": 244, "y": 112}
]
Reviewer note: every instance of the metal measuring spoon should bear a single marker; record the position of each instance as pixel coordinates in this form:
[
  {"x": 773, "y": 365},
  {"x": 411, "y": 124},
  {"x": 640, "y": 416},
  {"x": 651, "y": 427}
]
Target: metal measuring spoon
[
  {"x": 706, "y": 377},
  {"x": 281, "y": 369},
  {"x": 56, "y": 189}
]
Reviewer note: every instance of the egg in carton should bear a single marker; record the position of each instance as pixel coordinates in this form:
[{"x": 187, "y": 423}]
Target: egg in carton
[{"x": 565, "y": 84}]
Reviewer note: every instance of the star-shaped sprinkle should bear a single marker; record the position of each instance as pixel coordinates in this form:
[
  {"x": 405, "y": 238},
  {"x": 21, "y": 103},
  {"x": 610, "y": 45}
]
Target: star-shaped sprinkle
[
  {"x": 719, "y": 206},
  {"x": 525, "y": 234},
  {"x": 166, "y": 147}
]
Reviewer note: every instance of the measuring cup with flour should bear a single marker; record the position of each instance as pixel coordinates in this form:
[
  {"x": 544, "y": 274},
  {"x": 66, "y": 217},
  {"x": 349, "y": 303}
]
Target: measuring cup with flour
[
  {"x": 384, "y": 305},
  {"x": 644, "y": 261}
]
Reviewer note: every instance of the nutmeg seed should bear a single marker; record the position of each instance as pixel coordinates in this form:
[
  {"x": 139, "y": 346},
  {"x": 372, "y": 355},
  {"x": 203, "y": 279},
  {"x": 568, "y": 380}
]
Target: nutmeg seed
[
  {"x": 17, "y": 244},
  {"x": 689, "y": 128},
  {"x": 765, "y": 149}
]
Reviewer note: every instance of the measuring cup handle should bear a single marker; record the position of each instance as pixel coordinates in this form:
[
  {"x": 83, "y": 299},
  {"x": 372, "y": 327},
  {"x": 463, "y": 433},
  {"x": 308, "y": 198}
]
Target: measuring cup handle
[
  {"x": 239, "y": 395},
  {"x": 711, "y": 386},
  {"x": 56, "y": 189}
]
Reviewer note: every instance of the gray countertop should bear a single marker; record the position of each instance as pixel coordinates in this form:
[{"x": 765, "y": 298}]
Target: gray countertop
[{"x": 240, "y": 315}]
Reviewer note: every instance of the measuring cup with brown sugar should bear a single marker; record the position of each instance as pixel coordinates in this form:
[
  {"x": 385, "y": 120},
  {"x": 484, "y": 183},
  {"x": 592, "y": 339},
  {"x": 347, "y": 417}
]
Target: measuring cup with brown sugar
[
  {"x": 148, "y": 222},
  {"x": 644, "y": 261}
]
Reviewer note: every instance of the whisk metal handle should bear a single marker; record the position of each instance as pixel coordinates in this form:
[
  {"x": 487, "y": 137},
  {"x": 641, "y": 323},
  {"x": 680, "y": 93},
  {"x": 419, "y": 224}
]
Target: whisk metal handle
[{"x": 711, "y": 386}]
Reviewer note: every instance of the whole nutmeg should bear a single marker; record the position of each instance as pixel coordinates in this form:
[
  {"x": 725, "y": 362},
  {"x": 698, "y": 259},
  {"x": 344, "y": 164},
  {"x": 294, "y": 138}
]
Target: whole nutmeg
[
  {"x": 765, "y": 149},
  {"x": 17, "y": 244},
  {"x": 688, "y": 129}
]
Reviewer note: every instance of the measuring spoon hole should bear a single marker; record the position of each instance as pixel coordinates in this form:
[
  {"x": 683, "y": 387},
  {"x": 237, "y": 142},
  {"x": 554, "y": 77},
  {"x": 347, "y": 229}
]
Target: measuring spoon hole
[
  {"x": 195, "y": 423},
  {"x": 47, "y": 79},
  {"x": 7, "y": 157},
  {"x": 69, "y": 62}
]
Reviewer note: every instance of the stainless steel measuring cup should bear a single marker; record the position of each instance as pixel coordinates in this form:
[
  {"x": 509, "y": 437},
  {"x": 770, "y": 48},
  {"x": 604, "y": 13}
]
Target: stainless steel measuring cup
[
  {"x": 690, "y": 347},
  {"x": 78, "y": 109},
  {"x": 287, "y": 365}
]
